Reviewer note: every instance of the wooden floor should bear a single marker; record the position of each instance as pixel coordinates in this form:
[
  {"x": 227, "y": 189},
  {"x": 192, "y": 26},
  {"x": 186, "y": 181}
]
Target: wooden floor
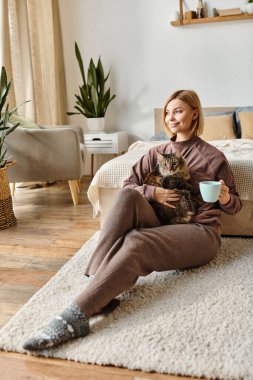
[{"x": 49, "y": 231}]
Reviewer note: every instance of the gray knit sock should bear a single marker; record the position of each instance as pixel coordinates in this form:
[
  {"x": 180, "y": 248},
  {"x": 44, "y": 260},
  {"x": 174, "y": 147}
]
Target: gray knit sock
[
  {"x": 90, "y": 276},
  {"x": 70, "y": 324}
]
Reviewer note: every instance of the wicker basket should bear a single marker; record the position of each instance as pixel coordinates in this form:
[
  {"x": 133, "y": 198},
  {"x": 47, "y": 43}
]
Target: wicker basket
[{"x": 7, "y": 217}]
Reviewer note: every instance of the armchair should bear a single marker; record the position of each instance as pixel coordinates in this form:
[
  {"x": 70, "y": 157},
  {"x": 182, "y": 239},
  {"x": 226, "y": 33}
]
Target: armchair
[{"x": 47, "y": 154}]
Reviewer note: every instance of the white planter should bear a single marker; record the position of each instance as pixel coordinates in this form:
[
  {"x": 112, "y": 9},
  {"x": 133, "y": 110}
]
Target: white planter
[
  {"x": 249, "y": 8},
  {"x": 96, "y": 124}
]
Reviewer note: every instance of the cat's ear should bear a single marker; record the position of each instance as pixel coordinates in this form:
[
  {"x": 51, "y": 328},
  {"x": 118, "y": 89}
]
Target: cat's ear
[
  {"x": 178, "y": 154},
  {"x": 159, "y": 157}
]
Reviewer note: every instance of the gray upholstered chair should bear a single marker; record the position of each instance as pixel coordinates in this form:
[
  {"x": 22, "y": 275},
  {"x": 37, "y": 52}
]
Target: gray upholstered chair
[{"x": 47, "y": 154}]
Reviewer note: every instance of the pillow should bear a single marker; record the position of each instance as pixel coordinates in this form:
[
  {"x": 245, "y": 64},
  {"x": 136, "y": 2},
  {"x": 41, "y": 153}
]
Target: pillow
[
  {"x": 159, "y": 136},
  {"x": 24, "y": 123},
  {"x": 218, "y": 127},
  {"x": 246, "y": 123},
  {"x": 237, "y": 111},
  {"x": 232, "y": 113}
]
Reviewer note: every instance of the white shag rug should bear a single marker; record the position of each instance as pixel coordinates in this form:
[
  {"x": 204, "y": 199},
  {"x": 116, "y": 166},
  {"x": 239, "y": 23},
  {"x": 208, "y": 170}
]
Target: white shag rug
[{"x": 196, "y": 322}]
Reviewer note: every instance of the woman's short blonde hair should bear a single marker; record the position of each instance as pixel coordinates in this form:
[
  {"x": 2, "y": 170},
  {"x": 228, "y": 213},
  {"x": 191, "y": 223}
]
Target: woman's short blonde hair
[{"x": 191, "y": 98}]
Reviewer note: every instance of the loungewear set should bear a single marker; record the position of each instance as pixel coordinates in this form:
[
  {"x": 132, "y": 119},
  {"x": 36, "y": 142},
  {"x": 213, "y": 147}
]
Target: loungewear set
[{"x": 133, "y": 242}]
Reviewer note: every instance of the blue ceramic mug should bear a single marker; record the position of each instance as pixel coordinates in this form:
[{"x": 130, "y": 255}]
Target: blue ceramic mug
[{"x": 210, "y": 190}]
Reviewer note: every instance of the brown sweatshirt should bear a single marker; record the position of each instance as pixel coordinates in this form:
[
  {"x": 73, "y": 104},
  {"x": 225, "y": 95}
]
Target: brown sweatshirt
[{"x": 205, "y": 163}]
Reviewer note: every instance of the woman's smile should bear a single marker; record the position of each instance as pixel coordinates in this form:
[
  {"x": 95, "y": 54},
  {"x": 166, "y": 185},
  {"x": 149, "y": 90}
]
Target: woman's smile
[{"x": 173, "y": 125}]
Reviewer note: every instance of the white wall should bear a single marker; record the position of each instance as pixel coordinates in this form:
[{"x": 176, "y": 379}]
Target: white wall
[{"x": 149, "y": 58}]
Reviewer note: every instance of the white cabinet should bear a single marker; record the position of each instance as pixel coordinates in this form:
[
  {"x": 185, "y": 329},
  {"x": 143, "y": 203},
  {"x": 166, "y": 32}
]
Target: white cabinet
[{"x": 105, "y": 143}]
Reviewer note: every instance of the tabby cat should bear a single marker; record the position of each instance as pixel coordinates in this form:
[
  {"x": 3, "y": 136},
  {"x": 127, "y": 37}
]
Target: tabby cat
[{"x": 172, "y": 173}]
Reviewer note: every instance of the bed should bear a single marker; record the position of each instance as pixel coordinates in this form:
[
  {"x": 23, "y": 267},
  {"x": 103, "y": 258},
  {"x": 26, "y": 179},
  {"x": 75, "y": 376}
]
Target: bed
[{"x": 234, "y": 129}]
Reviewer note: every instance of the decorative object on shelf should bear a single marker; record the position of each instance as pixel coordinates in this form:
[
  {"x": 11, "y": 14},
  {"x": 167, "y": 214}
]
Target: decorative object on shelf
[
  {"x": 189, "y": 15},
  {"x": 214, "y": 12},
  {"x": 229, "y": 12},
  {"x": 249, "y": 6},
  {"x": 200, "y": 9},
  {"x": 93, "y": 100}
]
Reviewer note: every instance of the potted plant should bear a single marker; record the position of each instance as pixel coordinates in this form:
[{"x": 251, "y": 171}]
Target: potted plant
[
  {"x": 7, "y": 217},
  {"x": 249, "y": 6},
  {"x": 93, "y": 99}
]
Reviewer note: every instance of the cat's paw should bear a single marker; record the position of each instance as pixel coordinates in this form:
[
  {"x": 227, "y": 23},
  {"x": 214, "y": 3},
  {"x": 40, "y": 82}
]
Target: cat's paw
[{"x": 187, "y": 217}]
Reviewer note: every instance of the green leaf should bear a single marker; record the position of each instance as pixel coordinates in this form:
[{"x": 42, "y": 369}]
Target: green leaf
[
  {"x": 106, "y": 97},
  {"x": 3, "y": 81},
  {"x": 2, "y": 155},
  {"x": 81, "y": 111},
  {"x": 11, "y": 129},
  {"x": 73, "y": 113},
  {"x": 107, "y": 76},
  {"x": 83, "y": 101},
  {"x": 100, "y": 70},
  {"x": 85, "y": 112},
  {"x": 4, "y": 95},
  {"x": 94, "y": 97},
  {"x": 88, "y": 105},
  {"x": 113, "y": 97},
  {"x": 89, "y": 114},
  {"x": 92, "y": 75},
  {"x": 14, "y": 110},
  {"x": 84, "y": 91},
  {"x": 80, "y": 62},
  {"x": 85, "y": 96},
  {"x": 100, "y": 78}
]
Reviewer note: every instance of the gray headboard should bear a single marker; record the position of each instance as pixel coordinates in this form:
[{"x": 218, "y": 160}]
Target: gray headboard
[{"x": 158, "y": 115}]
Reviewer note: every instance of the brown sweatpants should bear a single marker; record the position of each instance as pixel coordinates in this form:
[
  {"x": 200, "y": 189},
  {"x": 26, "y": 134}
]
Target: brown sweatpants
[{"x": 133, "y": 243}]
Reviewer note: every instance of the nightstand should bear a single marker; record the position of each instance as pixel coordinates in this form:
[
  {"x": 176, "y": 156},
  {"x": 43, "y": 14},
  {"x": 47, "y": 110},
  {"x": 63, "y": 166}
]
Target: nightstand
[{"x": 105, "y": 143}]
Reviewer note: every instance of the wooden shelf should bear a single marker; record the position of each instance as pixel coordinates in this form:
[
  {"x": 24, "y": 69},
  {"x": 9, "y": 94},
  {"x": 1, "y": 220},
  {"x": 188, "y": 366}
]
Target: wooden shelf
[
  {"x": 182, "y": 22},
  {"x": 206, "y": 20}
]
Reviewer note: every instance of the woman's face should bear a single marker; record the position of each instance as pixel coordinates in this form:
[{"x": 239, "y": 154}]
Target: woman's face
[{"x": 179, "y": 117}]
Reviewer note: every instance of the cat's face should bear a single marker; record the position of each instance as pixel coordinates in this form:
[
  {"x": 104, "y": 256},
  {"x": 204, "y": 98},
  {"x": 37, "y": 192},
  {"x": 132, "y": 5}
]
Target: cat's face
[{"x": 170, "y": 163}]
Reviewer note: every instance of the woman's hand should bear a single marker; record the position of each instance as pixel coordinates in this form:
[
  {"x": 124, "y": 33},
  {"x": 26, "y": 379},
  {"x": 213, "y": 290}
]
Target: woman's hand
[
  {"x": 224, "y": 196},
  {"x": 164, "y": 196}
]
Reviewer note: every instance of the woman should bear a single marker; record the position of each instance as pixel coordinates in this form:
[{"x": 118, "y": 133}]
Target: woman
[{"x": 133, "y": 242}]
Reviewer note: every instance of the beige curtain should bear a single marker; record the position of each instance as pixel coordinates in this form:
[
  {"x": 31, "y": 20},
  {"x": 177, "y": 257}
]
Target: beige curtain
[{"x": 32, "y": 53}]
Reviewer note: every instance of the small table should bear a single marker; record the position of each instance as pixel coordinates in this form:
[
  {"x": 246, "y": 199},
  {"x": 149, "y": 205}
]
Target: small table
[{"x": 105, "y": 143}]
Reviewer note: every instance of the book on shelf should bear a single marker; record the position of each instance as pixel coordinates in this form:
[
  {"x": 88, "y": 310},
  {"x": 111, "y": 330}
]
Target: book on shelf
[{"x": 229, "y": 12}]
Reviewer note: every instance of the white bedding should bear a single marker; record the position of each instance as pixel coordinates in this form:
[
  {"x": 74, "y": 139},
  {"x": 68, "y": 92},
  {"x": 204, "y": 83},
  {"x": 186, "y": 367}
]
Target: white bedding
[{"x": 112, "y": 174}]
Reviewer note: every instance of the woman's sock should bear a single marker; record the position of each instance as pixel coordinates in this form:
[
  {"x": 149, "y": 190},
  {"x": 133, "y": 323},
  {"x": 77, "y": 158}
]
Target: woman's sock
[
  {"x": 90, "y": 276},
  {"x": 70, "y": 324}
]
